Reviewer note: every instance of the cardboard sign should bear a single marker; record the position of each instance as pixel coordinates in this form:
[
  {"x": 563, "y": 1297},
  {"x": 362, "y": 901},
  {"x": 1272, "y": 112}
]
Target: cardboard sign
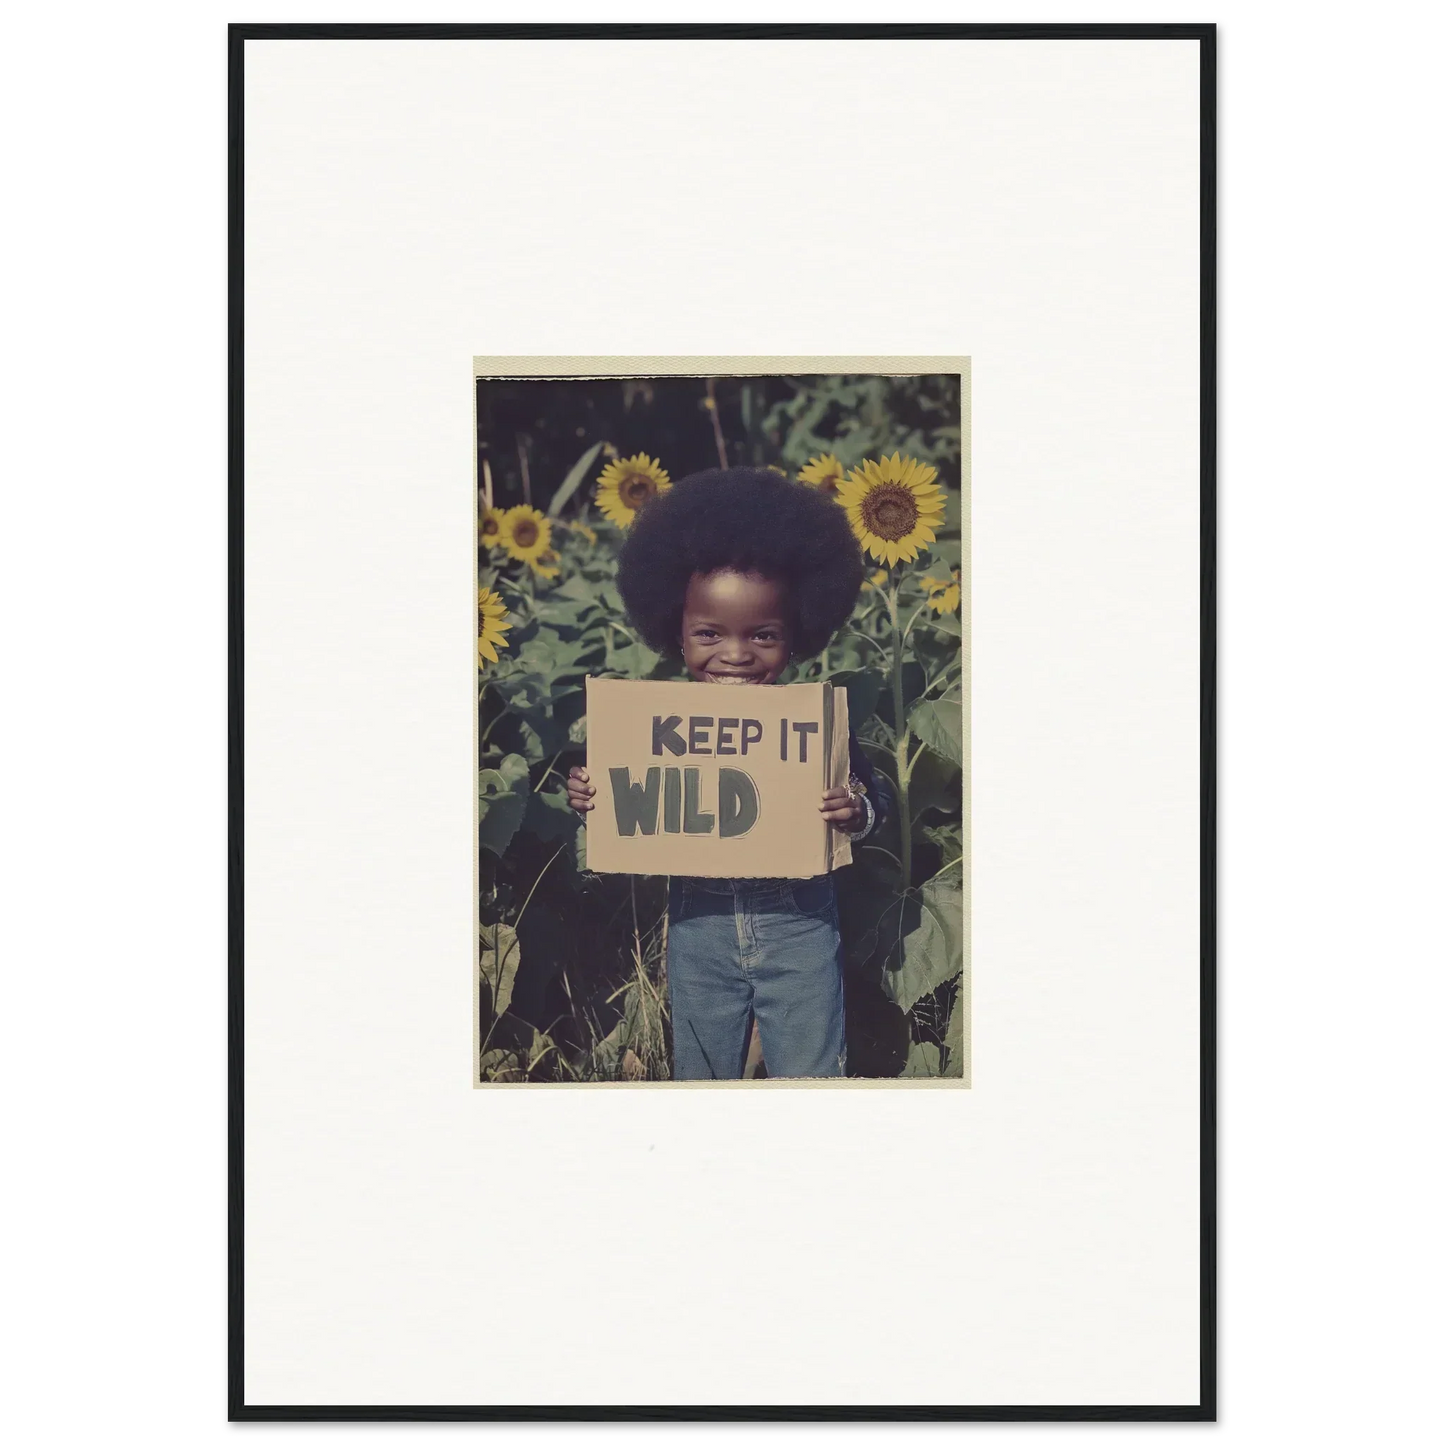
[{"x": 712, "y": 781}]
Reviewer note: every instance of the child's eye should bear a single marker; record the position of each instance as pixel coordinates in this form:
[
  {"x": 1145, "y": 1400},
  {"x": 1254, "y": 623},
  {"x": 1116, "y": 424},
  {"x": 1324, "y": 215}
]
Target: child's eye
[{"x": 704, "y": 632}]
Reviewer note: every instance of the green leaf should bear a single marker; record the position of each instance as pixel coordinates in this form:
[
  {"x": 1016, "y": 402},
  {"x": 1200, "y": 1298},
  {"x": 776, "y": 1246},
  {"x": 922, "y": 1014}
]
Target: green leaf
[
  {"x": 947, "y": 551},
  {"x": 636, "y": 659},
  {"x": 606, "y": 1053},
  {"x": 573, "y": 479},
  {"x": 567, "y": 656},
  {"x": 534, "y": 745},
  {"x": 577, "y": 731},
  {"x": 948, "y": 839},
  {"x": 924, "y": 1062},
  {"x": 933, "y": 946},
  {"x": 501, "y": 1066},
  {"x": 938, "y": 722},
  {"x": 501, "y": 955},
  {"x": 579, "y": 589},
  {"x": 513, "y": 769},
  {"x": 944, "y": 624},
  {"x": 547, "y": 657},
  {"x": 550, "y": 816},
  {"x": 542, "y": 1045},
  {"x": 935, "y": 783},
  {"x": 953, "y": 1039},
  {"x": 502, "y": 793},
  {"x": 560, "y": 613},
  {"x": 848, "y": 652},
  {"x": 501, "y": 816},
  {"x": 535, "y": 656}
]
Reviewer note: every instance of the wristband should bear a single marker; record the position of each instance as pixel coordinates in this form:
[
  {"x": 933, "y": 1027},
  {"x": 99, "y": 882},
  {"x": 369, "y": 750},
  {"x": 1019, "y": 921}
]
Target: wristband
[{"x": 857, "y": 790}]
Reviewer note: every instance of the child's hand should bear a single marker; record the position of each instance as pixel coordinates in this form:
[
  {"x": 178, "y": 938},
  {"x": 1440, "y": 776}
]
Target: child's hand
[
  {"x": 579, "y": 791},
  {"x": 842, "y": 810}
]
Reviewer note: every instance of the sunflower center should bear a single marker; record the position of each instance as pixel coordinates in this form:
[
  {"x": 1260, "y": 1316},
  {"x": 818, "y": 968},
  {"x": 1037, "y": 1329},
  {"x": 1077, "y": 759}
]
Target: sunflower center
[
  {"x": 890, "y": 512},
  {"x": 489, "y": 526},
  {"x": 635, "y": 490},
  {"x": 524, "y": 534}
]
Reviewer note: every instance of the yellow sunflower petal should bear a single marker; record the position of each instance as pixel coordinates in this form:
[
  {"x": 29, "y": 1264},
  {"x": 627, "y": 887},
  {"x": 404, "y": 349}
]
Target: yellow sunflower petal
[
  {"x": 626, "y": 486},
  {"x": 526, "y": 533},
  {"x": 491, "y": 623},
  {"x": 893, "y": 505}
]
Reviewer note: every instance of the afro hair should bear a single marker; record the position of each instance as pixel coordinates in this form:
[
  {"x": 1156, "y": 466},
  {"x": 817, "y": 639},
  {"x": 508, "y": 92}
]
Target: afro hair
[{"x": 741, "y": 520}]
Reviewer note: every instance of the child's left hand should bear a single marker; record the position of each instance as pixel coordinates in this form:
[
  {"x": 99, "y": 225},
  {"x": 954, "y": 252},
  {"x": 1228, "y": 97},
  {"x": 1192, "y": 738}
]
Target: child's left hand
[{"x": 842, "y": 809}]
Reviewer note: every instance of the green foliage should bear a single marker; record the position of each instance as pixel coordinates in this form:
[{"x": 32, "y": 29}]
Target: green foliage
[
  {"x": 855, "y": 417},
  {"x": 503, "y": 794},
  {"x": 938, "y": 724},
  {"x": 948, "y": 839},
  {"x": 925, "y": 1061},
  {"x": 501, "y": 958},
  {"x": 932, "y": 948},
  {"x": 574, "y": 479},
  {"x": 953, "y": 1041},
  {"x": 573, "y": 964}
]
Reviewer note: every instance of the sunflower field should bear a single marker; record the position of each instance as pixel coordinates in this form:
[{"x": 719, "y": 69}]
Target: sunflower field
[{"x": 572, "y": 964}]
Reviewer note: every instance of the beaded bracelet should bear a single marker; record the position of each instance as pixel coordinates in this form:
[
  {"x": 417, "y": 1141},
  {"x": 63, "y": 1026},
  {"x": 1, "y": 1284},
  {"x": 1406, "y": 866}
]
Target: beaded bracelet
[{"x": 857, "y": 790}]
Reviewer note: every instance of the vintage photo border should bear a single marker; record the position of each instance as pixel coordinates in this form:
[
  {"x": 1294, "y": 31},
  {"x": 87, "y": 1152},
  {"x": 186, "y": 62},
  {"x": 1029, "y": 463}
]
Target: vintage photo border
[{"x": 579, "y": 368}]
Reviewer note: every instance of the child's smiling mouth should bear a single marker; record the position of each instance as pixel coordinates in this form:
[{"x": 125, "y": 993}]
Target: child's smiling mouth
[{"x": 735, "y": 677}]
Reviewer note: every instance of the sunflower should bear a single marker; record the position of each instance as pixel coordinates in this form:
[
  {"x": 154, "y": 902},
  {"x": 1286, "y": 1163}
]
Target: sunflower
[
  {"x": 526, "y": 533},
  {"x": 583, "y": 530},
  {"x": 491, "y": 613},
  {"x": 546, "y": 564},
  {"x": 824, "y": 472},
  {"x": 893, "y": 505},
  {"x": 489, "y": 527},
  {"x": 943, "y": 593},
  {"x": 876, "y": 580},
  {"x": 626, "y": 486}
]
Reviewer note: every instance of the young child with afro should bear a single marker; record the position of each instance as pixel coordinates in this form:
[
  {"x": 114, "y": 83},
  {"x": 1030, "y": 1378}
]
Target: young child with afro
[{"x": 739, "y": 572}]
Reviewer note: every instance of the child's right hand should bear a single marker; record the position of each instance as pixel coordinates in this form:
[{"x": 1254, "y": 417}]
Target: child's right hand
[{"x": 579, "y": 791}]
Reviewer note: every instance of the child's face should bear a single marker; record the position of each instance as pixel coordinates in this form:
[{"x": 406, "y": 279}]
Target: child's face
[{"x": 736, "y": 628}]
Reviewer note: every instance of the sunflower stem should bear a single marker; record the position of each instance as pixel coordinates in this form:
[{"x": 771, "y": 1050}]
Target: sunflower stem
[
  {"x": 900, "y": 743},
  {"x": 487, "y": 731}
]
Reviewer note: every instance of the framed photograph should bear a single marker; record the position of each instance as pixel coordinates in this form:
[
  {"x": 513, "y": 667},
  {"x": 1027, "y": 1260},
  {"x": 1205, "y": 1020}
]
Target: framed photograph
[
  {"x": 618, "y": 816},
  {"x": 758, "y": 963}
]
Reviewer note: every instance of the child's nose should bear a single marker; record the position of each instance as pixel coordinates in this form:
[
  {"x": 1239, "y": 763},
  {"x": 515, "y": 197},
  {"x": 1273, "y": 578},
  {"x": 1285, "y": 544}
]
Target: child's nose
[{"x": 737, "y": 650}]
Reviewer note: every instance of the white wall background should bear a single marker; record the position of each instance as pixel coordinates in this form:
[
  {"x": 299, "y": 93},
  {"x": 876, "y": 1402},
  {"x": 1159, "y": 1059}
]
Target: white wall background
[{"x": 1041, "y": 205}]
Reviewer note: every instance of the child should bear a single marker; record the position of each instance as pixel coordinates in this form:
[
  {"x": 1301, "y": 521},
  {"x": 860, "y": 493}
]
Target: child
[{"x": 739, "y": 572}]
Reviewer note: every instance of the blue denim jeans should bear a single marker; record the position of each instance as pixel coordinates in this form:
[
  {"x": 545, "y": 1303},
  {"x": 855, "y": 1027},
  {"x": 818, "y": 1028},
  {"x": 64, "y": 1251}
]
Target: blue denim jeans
[{"x": 739, "y": 948}]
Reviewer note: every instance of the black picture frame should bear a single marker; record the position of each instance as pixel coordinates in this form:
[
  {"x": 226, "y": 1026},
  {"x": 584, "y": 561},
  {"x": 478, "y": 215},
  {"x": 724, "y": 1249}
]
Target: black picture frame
[{"x": 1205, "y": 1410}]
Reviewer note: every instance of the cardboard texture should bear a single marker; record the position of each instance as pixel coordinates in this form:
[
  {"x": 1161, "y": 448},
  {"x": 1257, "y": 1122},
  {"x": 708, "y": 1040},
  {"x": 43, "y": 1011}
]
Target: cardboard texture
[{"x": 714, "y": 781}]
